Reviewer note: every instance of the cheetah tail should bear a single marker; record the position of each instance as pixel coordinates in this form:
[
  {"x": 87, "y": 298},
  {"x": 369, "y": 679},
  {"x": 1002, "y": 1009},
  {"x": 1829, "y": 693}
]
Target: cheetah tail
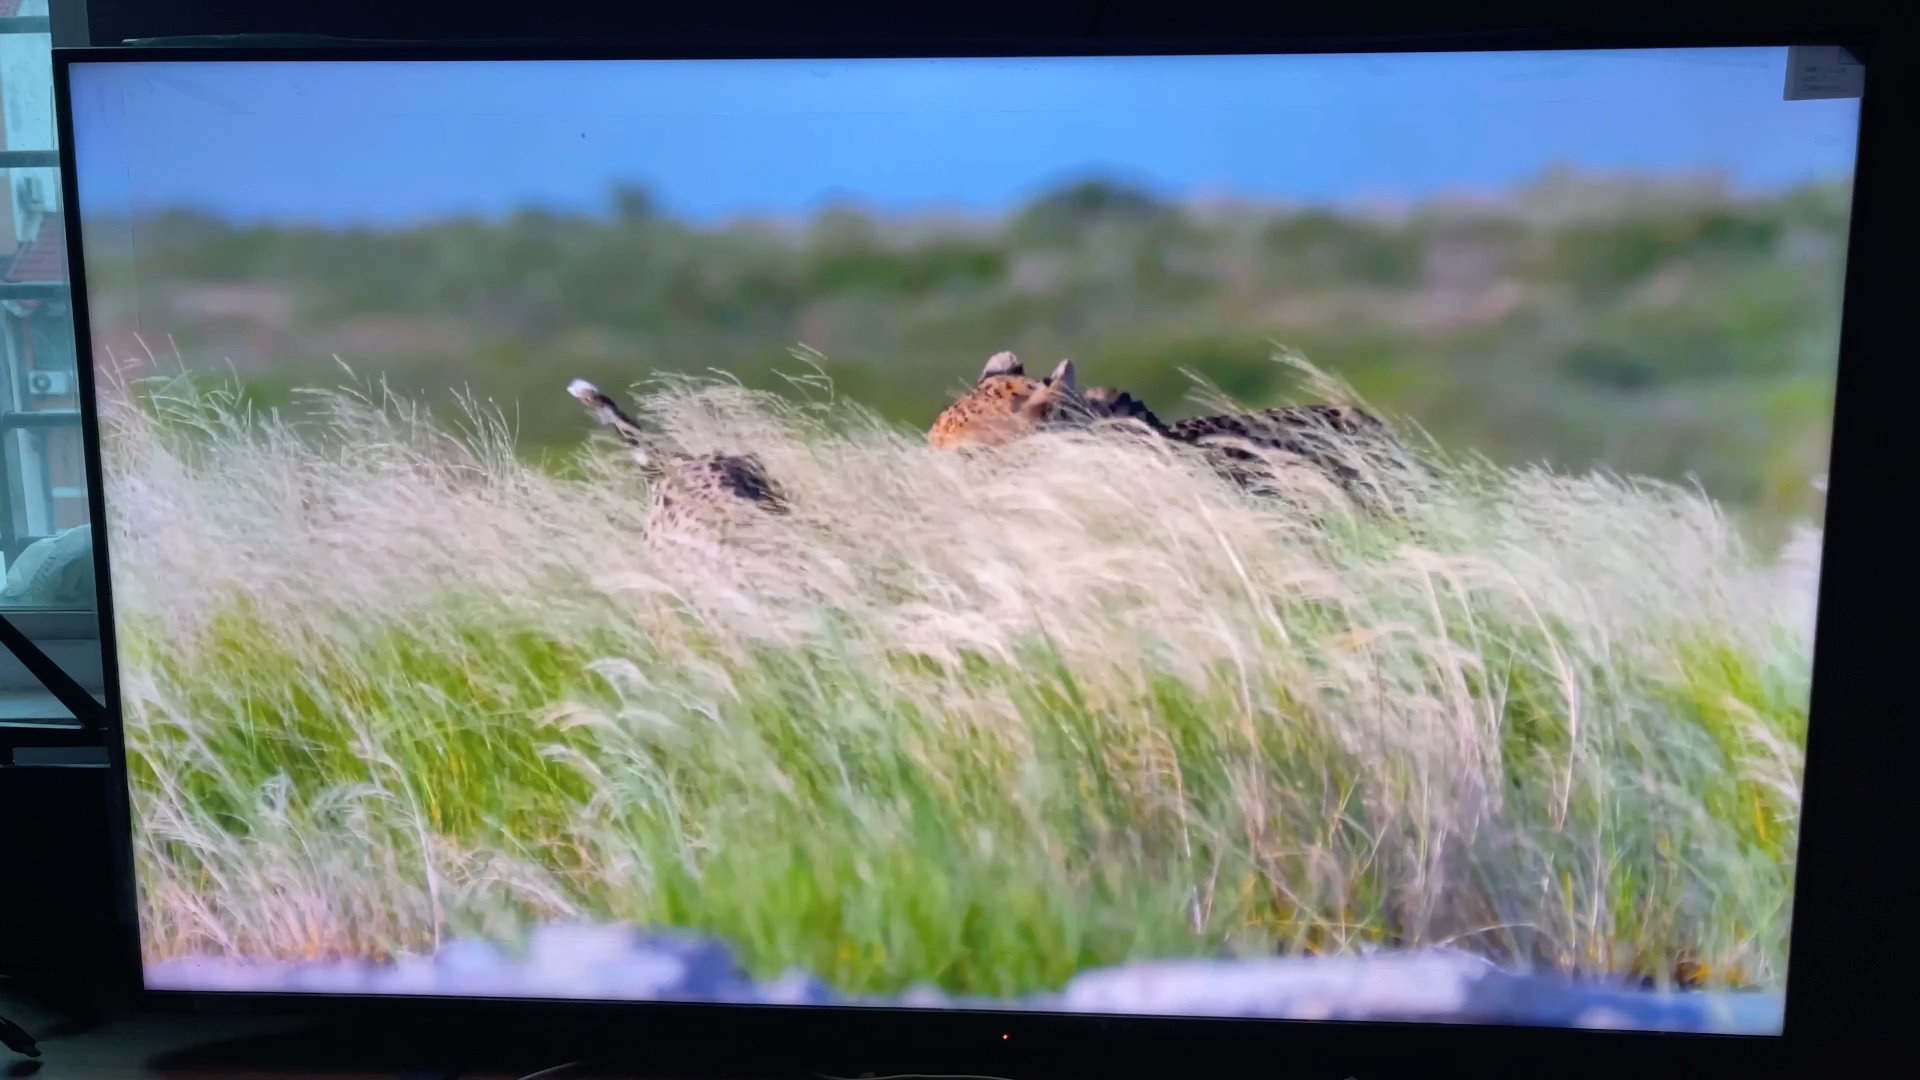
[{"x": 608, "y": 412}]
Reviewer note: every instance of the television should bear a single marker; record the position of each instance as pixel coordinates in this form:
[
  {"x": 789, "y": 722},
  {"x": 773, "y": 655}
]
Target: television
[{"x": 1084, "y": 548}]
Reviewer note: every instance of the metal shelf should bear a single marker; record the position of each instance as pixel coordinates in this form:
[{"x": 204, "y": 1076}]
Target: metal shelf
[
  {"x": 45, "y": 418},
  {"x": 35, "y": 290},
  {"x": 29, "y": 159}
]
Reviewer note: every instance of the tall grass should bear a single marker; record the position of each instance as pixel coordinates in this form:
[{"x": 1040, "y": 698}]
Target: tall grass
[{"x": 981, "y": 721}]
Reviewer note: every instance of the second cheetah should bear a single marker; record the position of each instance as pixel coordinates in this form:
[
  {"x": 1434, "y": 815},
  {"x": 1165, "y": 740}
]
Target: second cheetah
[{"x": 702, "y": 497}]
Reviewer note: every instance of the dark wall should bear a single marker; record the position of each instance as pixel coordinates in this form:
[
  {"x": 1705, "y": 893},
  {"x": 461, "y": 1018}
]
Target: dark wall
[{"x": 58, "y": 874}]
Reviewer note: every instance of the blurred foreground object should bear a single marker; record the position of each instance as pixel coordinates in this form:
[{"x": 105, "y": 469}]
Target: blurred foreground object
[{"x": 54, "y": 572}]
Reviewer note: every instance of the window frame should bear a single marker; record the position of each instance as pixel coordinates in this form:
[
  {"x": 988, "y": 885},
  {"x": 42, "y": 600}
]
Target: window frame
[{"x": 31, "y": 507}]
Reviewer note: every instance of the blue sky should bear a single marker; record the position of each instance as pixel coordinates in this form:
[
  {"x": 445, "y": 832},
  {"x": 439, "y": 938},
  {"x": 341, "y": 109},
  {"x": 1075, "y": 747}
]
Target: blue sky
[{"x": 394, "y": 142}]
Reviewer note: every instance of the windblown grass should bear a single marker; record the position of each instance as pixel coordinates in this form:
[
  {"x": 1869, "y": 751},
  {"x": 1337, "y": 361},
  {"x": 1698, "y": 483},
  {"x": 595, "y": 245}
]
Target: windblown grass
[{"x": 976, "y": 721}]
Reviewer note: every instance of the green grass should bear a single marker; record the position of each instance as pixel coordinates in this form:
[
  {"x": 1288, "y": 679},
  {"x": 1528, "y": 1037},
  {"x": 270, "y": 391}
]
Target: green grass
[{"x": 1061, "y": 707}]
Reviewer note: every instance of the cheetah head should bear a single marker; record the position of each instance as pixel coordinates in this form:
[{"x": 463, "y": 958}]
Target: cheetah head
[{"x": 1005, "y": 403}]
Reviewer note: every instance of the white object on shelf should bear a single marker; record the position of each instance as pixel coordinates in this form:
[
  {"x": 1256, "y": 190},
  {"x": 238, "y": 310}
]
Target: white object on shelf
[{"x": 54, "y": 572}]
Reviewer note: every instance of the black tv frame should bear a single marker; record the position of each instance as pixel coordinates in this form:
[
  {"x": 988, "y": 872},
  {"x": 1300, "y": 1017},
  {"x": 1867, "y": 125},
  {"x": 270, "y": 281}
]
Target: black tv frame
[{"x": 1856, "y": 667}]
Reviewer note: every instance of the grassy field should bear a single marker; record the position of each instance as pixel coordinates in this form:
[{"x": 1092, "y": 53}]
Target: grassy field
[
  {"x": 979, "y": 722},
  {"x": 1659, "y": 326}
]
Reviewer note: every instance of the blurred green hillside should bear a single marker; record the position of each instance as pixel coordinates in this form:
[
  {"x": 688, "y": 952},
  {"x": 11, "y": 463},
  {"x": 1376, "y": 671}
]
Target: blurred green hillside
[{"x": 1662, "y": 328}]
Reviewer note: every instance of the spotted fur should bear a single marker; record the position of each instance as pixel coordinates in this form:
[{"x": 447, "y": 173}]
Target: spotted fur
[
  {"x": 1242, "y": 447},
  {"x": 1004, "y": 404},
  {"x": 1109, "y": 403},
  {"x": 694, "y": 496}
]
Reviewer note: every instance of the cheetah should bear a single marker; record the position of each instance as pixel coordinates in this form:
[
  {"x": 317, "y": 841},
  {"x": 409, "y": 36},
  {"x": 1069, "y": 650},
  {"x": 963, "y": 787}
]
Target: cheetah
[
  {"x": 695, "y": 497},
  {"x": 1004, "y": 404}
]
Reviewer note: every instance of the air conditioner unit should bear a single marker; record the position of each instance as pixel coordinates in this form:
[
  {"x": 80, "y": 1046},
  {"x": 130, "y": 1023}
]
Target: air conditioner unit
[{"x": 49, "y": 383}]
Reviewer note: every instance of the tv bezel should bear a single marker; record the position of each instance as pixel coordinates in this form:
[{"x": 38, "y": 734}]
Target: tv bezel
[{"x": 1853, "y": 663}]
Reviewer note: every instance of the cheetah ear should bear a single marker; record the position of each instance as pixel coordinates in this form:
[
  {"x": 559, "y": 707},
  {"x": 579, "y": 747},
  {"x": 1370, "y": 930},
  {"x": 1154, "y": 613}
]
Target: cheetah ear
[
  {"x": 1063, "y": 379},
  {"x": 1003, "y": 363}
]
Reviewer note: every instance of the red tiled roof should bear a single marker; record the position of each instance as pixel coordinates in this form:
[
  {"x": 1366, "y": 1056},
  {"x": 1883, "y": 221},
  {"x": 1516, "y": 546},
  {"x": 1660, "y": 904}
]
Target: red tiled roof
[{"x": 44, "y": 258}]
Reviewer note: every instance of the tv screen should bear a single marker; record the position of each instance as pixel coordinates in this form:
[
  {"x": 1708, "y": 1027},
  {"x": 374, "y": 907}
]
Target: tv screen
[{"x": 1296, "y": 537}]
